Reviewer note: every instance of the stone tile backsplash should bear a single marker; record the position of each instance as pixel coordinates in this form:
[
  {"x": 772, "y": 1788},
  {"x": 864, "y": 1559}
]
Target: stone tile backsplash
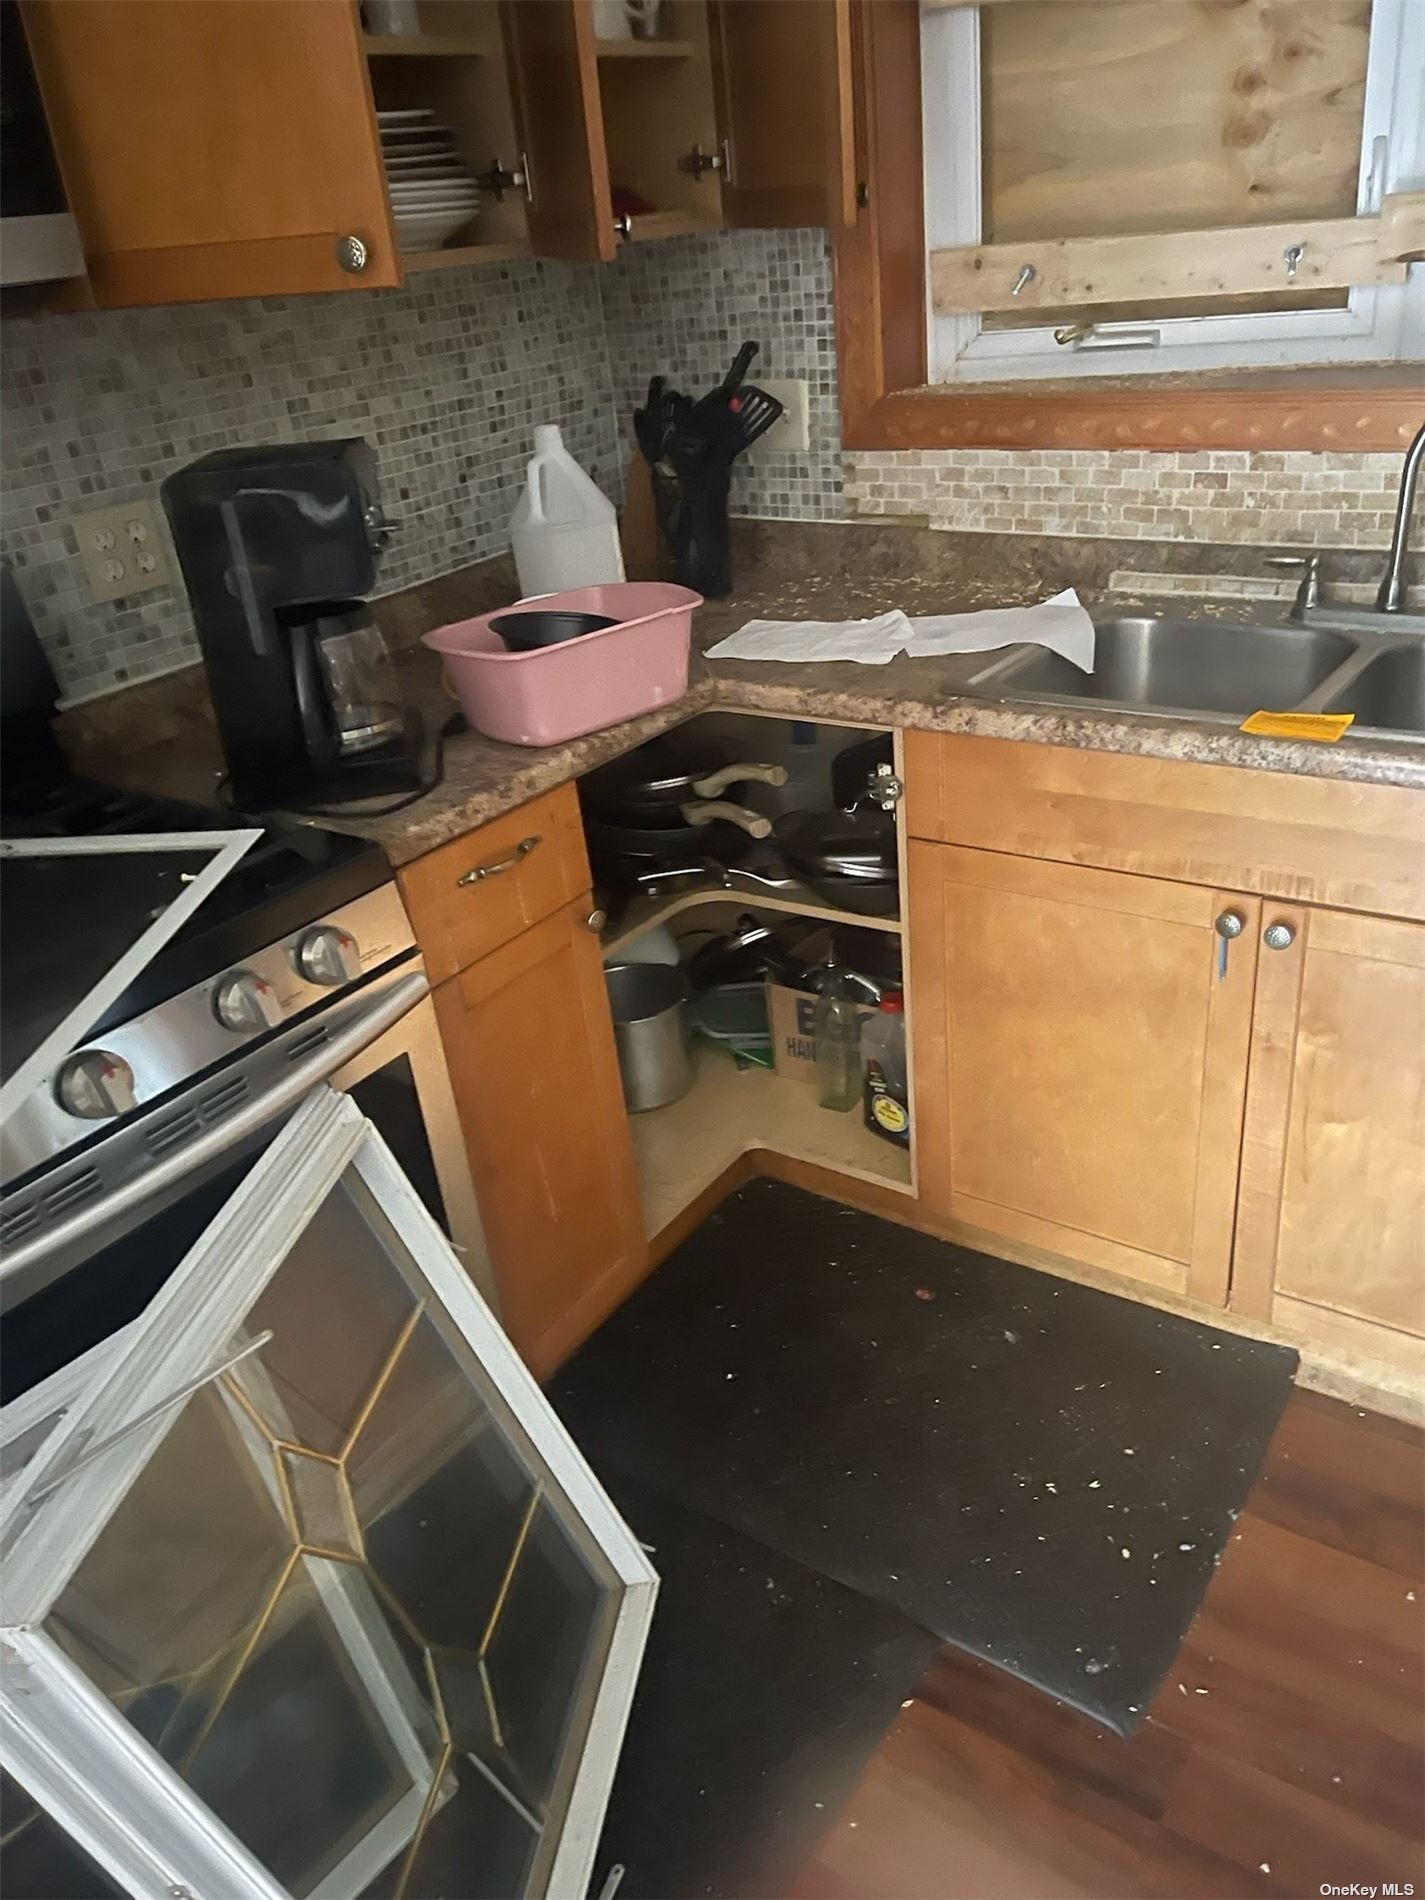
[
  {"x": 1258, "y": 498},
  {"x": 448, "y": 378},
  {"x": 682, "y": 307}
]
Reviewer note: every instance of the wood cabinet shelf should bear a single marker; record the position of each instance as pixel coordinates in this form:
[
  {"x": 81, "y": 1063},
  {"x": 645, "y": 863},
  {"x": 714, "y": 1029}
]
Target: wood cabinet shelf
[
  {"x": 682, "y": 1149},
  {"x": 424, "y": 46},
  {"x": 645, "y": 912},
  {"x": 646, "y": 49},
  {"x": 666, "y": 224},
  {"x": 462, "y": 254}
]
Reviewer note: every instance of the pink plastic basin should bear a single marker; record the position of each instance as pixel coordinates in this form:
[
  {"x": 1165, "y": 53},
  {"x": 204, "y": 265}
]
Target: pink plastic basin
[{"x": 559, "y": 692}]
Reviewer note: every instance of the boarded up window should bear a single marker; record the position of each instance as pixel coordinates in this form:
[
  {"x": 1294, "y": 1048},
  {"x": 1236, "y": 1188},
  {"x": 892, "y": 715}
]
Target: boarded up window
[{"x": 1102, "y": 117}]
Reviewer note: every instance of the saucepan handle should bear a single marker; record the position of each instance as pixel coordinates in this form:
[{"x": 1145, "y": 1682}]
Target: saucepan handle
[
  {"x": 716, "y": 783},
  {"x": 708, "y": 811}
]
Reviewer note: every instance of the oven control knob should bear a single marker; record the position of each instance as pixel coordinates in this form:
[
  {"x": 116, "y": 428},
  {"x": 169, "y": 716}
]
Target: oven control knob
[
  {"x": 242, "y": 1000},
  {"x": 94, "y": 1085},
  {"x": 328, "y": 956}
]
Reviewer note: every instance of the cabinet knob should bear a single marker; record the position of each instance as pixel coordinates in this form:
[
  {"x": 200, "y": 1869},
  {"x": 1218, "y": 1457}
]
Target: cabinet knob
[
  {"x": 623, "y": 225},
  {"x": 352, "y": 254},
  {"x": 1279, "y": 936},
  {"x": 1230, "y": 924},
  {"x": 596, "y": 919}
]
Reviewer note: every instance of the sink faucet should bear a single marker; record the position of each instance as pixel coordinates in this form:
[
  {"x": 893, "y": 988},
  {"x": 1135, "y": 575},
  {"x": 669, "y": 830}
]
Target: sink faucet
[
  {"x": 1308, "y": 594},
  {"x": 1392, "y": 588}
]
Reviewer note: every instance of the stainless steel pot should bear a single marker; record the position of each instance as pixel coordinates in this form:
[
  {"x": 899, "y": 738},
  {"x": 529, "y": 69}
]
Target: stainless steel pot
[{"x": 651, "y": 1033}]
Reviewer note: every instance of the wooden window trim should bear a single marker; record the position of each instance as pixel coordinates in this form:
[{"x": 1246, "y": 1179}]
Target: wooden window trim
[{"x": 881, "y": 327}]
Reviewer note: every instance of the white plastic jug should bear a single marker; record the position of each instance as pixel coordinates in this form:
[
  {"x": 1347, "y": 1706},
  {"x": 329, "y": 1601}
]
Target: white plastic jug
[{"x": 565, "y": 529}]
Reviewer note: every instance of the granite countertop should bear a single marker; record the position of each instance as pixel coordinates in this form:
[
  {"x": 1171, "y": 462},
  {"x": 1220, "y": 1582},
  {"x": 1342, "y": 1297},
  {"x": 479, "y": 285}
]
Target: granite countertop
[{"x": 857, "y": 574}]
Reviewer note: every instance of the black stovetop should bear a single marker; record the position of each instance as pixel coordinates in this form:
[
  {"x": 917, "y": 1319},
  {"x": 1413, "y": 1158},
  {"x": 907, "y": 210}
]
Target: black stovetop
[{"x": 64, "y": 921}]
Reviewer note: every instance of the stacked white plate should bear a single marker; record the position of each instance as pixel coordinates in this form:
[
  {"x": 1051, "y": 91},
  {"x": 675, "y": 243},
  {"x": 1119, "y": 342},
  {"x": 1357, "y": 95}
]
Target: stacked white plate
[{"x": 432, "y": 191}]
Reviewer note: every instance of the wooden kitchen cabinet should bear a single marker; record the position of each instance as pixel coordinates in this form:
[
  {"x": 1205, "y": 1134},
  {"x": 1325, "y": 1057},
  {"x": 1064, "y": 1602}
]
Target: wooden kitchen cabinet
[
  {"x": 1081, "y": 1060},
  {"x": 213, "y": 149},
  {"x": 468, "y": 897},
  {"x": 1089, "y": 1085},
  {"x": 1331, "y": 1226},
  {"x": 229, "y": 148},
  {"x": 737, "y": 113},
  {"x": 530, "y": 1048}
]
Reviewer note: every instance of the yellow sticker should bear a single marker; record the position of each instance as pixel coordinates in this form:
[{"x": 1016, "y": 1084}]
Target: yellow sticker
[
  {"x": 1325, "y": 727},
  {"x": 890, "y": 1114}
]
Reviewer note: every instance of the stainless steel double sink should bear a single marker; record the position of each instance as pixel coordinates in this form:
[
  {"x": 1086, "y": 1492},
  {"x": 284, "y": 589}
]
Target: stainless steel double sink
[{"x": 1222, "y": 670}]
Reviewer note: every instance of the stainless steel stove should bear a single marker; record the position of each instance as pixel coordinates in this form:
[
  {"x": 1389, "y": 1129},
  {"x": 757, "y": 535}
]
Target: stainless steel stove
[{"x": 300, "y": 968}]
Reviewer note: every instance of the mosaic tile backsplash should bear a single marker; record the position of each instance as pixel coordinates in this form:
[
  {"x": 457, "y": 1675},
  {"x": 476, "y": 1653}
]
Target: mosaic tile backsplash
[
  {"x": 448, "y": 378},
  {"x": 683, "y": 306}
]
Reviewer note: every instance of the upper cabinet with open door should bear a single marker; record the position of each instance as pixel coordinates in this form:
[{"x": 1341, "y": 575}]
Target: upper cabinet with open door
[
  {"x": 215, "y": 150},
  {"x": 655, "y": 118},
  {"x": 235, "y": 148},
  {"x": 308, "y": 1593},
  {"x": 784, "y": 100}
]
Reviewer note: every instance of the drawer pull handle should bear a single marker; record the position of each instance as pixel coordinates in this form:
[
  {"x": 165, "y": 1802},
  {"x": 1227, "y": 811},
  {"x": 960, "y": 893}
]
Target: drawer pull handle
[{"x": 482, "y": 871}]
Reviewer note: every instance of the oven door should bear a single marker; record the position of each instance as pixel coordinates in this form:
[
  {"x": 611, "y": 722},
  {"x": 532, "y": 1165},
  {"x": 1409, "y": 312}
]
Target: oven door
[
  {"x": 402, "y": 1086},
  {"x": 87, "y": 1278},
  {"x": 308, "y": 1592}
]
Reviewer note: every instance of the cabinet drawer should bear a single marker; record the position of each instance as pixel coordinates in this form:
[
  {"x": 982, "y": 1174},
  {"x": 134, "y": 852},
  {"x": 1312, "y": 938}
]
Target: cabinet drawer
[
  {"x": 468, "y": 897},
  {"x": 1324, "y": 841}
]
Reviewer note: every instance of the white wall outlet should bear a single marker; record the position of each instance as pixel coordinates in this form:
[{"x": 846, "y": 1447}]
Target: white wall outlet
[
  {"x": 122, "y": 550},
  {"x": 790, "y": 434}
]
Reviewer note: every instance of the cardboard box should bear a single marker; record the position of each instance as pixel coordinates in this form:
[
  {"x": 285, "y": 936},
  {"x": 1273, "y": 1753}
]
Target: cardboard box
[{"x": 792, "y": 1014}]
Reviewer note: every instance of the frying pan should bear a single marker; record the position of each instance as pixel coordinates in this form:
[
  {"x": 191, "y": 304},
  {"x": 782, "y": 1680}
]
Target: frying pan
[{"x": 846, "y": 858}]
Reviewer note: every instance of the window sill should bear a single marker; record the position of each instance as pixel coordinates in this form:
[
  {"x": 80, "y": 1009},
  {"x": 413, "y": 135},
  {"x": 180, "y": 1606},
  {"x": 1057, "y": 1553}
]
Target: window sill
[{"x": 1360, "y": 409}]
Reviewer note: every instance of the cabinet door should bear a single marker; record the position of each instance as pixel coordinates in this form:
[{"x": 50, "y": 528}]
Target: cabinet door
[
  {"x": 214, "y": 150},
  {"x": 1331, "y": 1228},
  {"x": 783, "y": 73},
  {"x": 530, "y": 1048},
  {"x": 1081, "y": 1058},
  {"x": 554, "y": 76}
]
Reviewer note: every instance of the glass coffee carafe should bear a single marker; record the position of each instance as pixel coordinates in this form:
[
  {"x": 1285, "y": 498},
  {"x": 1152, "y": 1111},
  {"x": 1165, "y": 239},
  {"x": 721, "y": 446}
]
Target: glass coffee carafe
[{"x": 357, "y": 675}]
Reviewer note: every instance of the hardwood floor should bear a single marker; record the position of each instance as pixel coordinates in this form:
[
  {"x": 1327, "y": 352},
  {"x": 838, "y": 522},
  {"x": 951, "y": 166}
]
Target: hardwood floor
[{"x": 1283, "y": 1753}]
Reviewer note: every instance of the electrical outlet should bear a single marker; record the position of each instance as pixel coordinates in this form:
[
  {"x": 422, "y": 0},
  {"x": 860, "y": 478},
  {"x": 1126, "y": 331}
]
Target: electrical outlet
[
  {"x": 790, "y": 434},
  {"x": 122, "y": 550}
]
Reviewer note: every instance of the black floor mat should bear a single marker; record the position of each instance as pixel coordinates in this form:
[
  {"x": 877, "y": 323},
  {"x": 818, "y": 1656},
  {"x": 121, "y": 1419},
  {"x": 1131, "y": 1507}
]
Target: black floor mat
[
  {"x": 763, "y": 1692},
  {"x": 1038, "y": 1472}
]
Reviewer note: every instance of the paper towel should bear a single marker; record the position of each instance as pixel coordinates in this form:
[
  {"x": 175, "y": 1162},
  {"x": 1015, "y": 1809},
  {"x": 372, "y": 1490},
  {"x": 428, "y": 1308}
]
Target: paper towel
[{"x": 1062, "y": 624}]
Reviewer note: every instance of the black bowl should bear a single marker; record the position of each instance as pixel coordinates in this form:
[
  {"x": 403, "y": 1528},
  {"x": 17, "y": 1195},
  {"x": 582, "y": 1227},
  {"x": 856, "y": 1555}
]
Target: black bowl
[{"x": 545, "y": 627}]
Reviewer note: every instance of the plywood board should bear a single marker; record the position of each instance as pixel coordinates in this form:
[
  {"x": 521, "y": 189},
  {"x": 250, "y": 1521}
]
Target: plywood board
[{"x": 1146, "y": 116}]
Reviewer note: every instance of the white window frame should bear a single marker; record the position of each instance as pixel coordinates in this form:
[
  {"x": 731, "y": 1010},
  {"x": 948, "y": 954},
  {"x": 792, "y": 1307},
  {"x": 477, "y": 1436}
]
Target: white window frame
[
  {"x": 60, "y": 1736},
  {"x": 226, "y": 846},
  {"x": 1379, "y": 324}
]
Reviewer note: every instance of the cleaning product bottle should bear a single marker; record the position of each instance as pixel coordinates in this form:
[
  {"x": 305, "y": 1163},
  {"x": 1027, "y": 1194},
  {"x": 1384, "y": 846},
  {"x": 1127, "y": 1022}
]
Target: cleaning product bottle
[
  {"x": 565, "y": 529},
  {"x": 886, "y": 1092},
  {"x": 836, "y": 1027}
]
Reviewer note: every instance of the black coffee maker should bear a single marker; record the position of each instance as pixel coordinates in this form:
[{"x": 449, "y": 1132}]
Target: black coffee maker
[{"x": 278, "y": 546}]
